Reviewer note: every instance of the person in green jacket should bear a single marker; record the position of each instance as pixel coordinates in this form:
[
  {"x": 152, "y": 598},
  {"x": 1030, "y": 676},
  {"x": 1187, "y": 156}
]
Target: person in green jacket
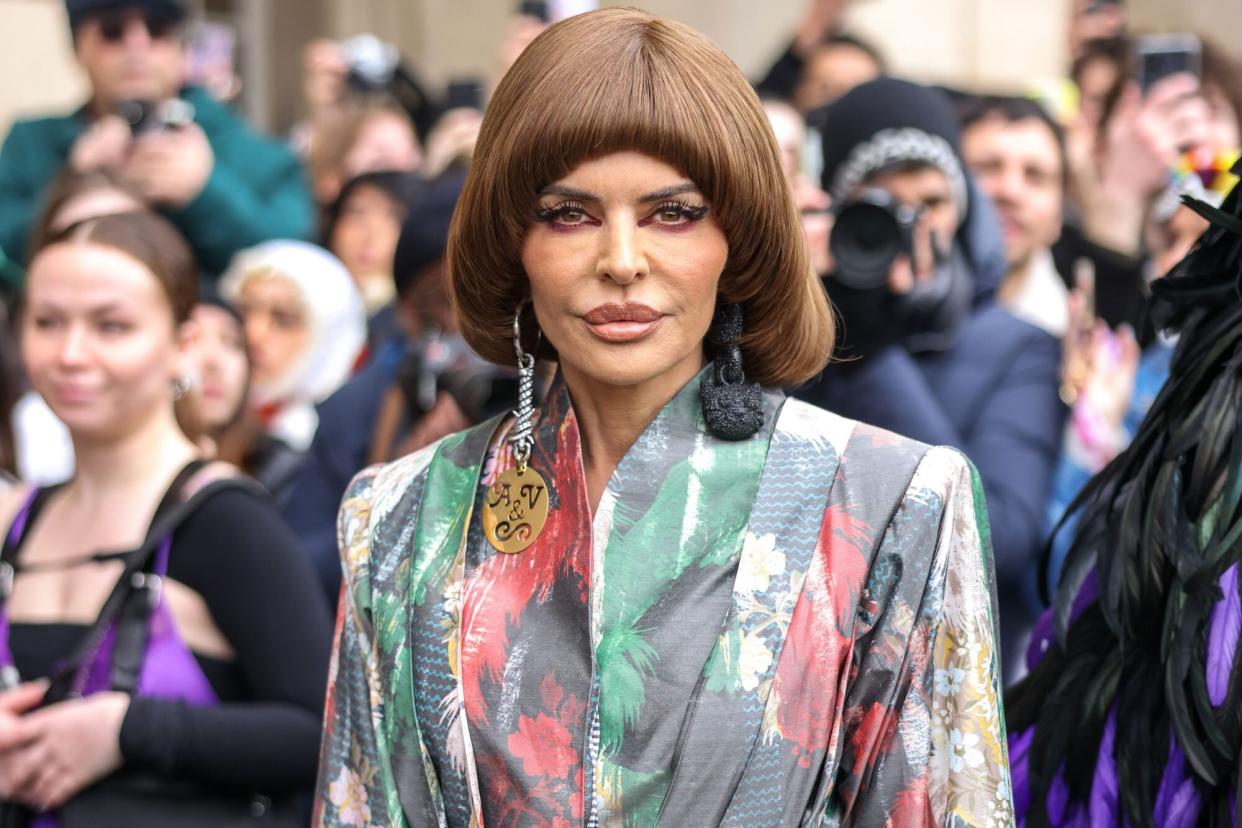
[
  {"x": 11, "y": 276},
  {"x": 223, "y": 184}
]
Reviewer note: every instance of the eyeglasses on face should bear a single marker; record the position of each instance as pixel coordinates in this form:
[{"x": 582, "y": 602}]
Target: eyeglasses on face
[{"x": 114, "y": 22}]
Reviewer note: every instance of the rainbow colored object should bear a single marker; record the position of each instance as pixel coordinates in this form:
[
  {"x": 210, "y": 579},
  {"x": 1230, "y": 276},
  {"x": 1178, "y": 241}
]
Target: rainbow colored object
[{"x": 1211, "y": 167}]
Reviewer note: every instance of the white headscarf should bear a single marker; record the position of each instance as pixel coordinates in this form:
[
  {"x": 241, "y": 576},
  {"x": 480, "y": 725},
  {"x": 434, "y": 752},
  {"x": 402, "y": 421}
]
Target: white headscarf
[{"x": 337, "y": 326}]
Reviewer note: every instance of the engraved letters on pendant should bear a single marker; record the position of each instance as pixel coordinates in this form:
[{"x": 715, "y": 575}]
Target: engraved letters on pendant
[{"x": 515, "y": 509}]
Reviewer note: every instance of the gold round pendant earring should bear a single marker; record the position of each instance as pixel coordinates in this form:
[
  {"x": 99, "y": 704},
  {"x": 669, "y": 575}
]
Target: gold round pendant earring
[{"x": 516, "y": 506}]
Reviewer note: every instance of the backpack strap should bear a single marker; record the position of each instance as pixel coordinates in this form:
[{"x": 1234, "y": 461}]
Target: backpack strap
[{"x": 133, "y": 598}]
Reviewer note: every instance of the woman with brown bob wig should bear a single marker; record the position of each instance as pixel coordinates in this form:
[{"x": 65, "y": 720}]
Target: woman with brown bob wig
[{"x": 669, "y": 595}]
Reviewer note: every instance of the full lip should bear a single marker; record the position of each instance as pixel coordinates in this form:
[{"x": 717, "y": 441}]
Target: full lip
[
  {"x": 622, "y": 322},
  {"x": 368, "y": 260},
  {"x": 73, "y": 393}
]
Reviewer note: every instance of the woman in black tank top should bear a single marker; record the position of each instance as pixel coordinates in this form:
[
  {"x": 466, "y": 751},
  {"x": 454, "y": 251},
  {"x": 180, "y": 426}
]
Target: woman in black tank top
[{"x": 187, "y": 645}]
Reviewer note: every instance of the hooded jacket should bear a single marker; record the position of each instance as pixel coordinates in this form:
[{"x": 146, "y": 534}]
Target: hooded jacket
[{"x": 991, "y": 389}]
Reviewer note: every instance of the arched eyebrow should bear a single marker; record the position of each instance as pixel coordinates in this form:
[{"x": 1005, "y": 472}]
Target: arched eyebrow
[
  {"x": 568, "y": 192},
  {"x": 583, "y": 195},
  {"x": 669, "y": 192}
]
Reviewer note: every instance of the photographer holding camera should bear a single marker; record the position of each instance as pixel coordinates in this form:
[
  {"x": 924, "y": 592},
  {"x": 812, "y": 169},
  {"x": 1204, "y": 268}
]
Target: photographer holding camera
[
  {"x": 925, "y": 351},
  {"x": 225, "y": 186}
]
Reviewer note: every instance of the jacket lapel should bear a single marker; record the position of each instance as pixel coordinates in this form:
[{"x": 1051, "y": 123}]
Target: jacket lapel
[{"x": 725, "y": 720}]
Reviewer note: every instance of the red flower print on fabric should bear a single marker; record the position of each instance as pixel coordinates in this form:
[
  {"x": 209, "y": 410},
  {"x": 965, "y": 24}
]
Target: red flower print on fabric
[{"x": 544, "y": 745}]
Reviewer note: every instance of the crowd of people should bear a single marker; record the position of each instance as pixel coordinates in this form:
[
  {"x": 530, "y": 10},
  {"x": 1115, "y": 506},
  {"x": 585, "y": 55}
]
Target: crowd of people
[{"x": 208, "y": 332}]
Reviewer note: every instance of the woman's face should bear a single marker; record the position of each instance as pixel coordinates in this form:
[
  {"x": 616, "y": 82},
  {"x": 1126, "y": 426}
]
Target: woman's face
[
  {"x": 98, "y": 339},
  {"x": 220, "y": 364},
  {"x": 277, "y": 330},
  {"x": 790, "y": 134},
  {"x": 830, "y": 73},
  {"x": 624, "y": 259},
  {"x": 386, "y": 141},
  {"x": 365, "y": 235}
]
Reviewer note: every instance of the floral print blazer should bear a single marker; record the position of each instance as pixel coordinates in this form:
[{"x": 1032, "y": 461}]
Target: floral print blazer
[{"x": 795, "y": 629}]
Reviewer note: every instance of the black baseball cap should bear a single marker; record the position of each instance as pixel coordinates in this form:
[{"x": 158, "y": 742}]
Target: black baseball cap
[{"x": 78, "y": 9}]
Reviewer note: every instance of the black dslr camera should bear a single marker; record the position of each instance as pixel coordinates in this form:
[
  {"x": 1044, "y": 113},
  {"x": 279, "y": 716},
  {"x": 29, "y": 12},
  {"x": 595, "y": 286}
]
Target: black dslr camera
[
  {"x": 155, "y": 116},
  {"x": 869, "y": 232},
  {"x": 436, "y": 363},
  {"x": 376, "y": 68}
]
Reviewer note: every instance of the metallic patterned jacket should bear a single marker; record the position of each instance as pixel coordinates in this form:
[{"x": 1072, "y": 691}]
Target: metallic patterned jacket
[{"x": 795, "y": 629}]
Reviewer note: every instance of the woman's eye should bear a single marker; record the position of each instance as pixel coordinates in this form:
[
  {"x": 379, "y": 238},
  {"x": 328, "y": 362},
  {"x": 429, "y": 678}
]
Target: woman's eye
[
  {"x": 676, "y": 213},
  {"x": 286, "y": 321},
  {"x": 565, "y": 214},
  {"x": 45, "y": 323},
  {"x": 113, "y": 326}
]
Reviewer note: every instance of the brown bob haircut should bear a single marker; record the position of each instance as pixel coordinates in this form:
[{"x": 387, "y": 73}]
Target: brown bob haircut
[{"x": 621, "y": 79}]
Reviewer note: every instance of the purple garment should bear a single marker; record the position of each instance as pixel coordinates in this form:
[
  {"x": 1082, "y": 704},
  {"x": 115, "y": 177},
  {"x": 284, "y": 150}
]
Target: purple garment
[
  {"x": 1102, "y": 805},
  {"x": 1020, "y": 772},
  {"x": 1178, "y": 802},
  {"x": 1043, "y": 637},
  {"x": 1223, "y": 633},
  {"x": 16, "y": 532},
  {"x": 169, "y": 668}
]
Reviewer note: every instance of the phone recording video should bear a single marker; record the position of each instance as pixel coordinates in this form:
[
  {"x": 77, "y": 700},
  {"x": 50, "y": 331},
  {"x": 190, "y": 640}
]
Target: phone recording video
[{"x": 1160, "y": 56}]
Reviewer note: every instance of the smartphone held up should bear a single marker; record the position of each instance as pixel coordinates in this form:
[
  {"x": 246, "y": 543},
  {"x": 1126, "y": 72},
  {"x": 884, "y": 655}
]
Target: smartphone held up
[{"x": 1161, "y": 56}]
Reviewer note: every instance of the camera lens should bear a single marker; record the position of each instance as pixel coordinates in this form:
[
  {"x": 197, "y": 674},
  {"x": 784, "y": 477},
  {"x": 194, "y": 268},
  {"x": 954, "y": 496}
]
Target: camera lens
[
  {"x": 865, "y": 240},
  {"x": 137, "y": 114}
]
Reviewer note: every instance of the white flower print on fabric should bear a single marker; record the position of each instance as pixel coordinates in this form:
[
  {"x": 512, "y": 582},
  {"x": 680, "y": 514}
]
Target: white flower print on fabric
[
  {"x": 753, "y": 661},
  {"x": 949, "y": 681},
  {"x": 761, "y": 562},
  {"x": 964, "y": 751},
  {"x": 349, "y": 796}
]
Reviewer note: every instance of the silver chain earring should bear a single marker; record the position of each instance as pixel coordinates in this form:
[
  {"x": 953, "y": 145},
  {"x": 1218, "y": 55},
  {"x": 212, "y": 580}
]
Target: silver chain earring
[
  {"x": 516, "y": 506},
  {"x": 522, "y": 436}
]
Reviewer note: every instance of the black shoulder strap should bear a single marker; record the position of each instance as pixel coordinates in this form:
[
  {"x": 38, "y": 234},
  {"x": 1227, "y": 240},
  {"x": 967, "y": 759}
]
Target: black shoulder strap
[
  {"x": 176, "y": 489},
  {"x": 12, "y": 544},
  {"x": 134, "y": 587}
]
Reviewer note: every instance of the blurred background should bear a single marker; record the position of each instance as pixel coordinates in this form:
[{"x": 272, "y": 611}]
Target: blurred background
[
  {"x": 988, "y": 191},
  {"x": 981, "y": 45}
]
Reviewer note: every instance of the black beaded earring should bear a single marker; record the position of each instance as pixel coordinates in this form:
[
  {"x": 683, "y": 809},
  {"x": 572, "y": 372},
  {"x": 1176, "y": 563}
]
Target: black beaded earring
[{"x": 732, "y": 407}]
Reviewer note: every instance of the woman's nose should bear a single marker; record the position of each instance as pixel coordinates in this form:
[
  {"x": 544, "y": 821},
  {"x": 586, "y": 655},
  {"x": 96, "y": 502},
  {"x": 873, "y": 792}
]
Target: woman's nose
[
  {"x": 622, "y": 258},
  {"x": 255, "y": 325},
  {"x": 73, "y": 345}
]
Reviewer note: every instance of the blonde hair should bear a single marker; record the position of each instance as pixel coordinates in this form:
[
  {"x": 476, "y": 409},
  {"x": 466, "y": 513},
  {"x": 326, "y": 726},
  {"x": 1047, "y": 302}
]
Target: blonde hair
[{"x": 657, "y": 87}]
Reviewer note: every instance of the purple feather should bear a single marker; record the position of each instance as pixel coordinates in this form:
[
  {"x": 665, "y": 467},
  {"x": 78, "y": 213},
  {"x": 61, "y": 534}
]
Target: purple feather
[
  {"x": 1184, "y": 807},
  {"x": 1177, "y": 801},
  {"x": 1223, "y": 633},
  {"x": 1102, "y": 805},
  {"x": 1020, "y": 771}
]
